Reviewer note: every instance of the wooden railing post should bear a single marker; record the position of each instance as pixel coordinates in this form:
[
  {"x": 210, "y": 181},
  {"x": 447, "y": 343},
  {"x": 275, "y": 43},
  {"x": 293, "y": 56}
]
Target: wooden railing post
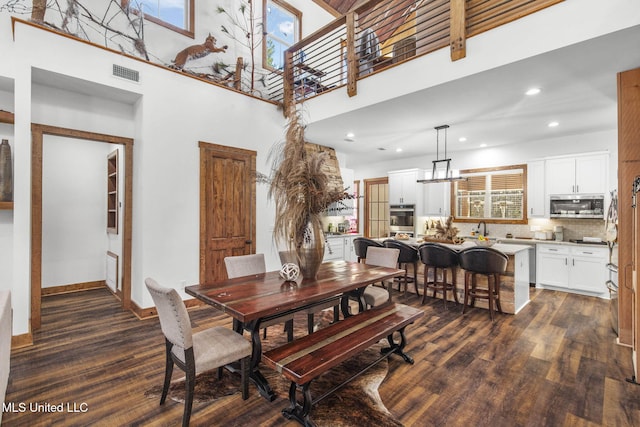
[
  {"x": 458, "y": 35},
  {"x": 287, "y": 83},
  {"x": 352, "y": 58}
]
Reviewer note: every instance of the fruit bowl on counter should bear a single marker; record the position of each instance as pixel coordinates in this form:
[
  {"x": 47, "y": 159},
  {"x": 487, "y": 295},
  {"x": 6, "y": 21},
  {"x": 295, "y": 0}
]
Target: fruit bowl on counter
[
  {"x": 402, "y": 236},
  {"x": 484, "y": 242}
]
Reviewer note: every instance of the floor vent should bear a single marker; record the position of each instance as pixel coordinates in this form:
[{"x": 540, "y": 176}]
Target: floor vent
[{"x": 126, "y": 73}]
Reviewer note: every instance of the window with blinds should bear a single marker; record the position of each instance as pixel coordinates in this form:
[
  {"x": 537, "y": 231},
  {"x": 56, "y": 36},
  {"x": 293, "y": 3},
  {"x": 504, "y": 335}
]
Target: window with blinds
[{"x": 496, "y": 195}]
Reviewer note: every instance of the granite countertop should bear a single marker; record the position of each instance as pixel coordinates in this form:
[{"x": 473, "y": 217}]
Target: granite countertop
[
  {"x": 507, "y": 248},
  {"x": 549, "y": 242}
]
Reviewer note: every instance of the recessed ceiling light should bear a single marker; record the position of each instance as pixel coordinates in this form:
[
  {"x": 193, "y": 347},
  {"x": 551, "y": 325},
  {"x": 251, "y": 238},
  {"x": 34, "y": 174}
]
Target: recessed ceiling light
[
  {"x": 533, "y": 91},
  {"x": 398, "y": 150},
  {"x": 553, "y": 124},
  {"x": 483, "y": 145},
  {"x": 351, "y": 135},
  {"x": 462, "y": 139}
]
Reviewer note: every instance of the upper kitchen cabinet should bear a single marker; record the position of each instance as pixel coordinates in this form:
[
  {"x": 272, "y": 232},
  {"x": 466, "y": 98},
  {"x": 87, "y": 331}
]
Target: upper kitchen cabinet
[
  {"x": 536, "y": 201},
  {"x": 577, "y": 175},
  {"x": 437, "y": 199},
  {"x": 405, "y": 190}
]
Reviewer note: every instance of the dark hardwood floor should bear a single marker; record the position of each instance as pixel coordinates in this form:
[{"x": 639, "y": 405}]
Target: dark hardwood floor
[{"x": 554, "y": 364}]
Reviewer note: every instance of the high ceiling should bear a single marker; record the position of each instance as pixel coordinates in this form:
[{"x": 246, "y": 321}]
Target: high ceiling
[{"x": 578, "y": 91}]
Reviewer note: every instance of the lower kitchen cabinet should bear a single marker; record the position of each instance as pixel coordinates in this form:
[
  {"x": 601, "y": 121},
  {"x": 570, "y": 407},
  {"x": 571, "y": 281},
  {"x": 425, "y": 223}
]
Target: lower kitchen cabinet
[
  {"x": 579, "y": 269},
  {"x": 340, "y": 247}
]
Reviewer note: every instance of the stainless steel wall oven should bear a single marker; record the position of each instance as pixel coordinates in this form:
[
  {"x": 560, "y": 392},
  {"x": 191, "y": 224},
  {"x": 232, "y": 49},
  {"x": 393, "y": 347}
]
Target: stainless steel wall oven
[{"x": 401, "y": 219}]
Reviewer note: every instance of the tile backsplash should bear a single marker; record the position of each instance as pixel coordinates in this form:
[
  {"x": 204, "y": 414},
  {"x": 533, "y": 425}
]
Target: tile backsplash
[{"x": 573, "y": 229}]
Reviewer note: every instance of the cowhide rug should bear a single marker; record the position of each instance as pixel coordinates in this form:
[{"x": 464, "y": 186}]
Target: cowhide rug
[{"x": 356, "y": 404}]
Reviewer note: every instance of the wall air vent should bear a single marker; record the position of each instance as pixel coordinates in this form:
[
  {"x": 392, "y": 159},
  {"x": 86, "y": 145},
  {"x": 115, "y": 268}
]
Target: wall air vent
[{"x": 126, "y": 73}]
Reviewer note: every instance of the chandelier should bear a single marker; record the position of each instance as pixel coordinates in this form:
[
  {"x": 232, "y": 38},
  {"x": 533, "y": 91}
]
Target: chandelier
[{"x": 441, "y": 171}]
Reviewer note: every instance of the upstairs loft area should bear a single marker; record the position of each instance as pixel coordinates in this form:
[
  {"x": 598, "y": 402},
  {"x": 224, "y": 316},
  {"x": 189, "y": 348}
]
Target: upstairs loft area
[{"x": 379, "y": 35}]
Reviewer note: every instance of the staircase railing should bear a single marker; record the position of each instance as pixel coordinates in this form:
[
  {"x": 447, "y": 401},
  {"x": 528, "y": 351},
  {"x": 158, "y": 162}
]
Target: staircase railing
[{"x": 381, "y": 34}]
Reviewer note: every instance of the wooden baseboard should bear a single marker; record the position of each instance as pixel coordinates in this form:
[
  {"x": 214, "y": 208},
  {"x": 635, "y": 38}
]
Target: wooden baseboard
[
  {"x": 19, "y": 341},
  {"x": 76, "y": 287}
]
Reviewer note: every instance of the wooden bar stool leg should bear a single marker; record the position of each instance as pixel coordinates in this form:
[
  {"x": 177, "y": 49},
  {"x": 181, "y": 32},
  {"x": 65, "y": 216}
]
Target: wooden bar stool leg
[
  {"x": 497, "y": 291},
  {"x": 453, "y": 284},
  {"x": 466, "y": 291},
  {"x": 490, "y": 295},
  {"x": 444, "y": 287}
]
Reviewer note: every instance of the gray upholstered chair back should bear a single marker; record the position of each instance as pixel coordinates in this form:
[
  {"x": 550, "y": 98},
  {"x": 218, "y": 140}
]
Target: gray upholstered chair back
[
  {"x": 382, "y": 257},
  {"x": 174, "y": 318},
  {"x": 245, "y": 265}
]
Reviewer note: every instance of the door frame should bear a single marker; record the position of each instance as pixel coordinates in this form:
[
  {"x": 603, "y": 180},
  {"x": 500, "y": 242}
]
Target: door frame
[
  {"x": 38, "y": 131},
  {"x": 223, "y": 151}
]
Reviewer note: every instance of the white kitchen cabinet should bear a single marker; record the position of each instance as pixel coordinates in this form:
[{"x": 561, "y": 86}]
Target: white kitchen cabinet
[
  {"x": 577, "y": 175},
  {"x": 437, "y": 199},
  {"x": 404, "y": 189},
  {"x": 579, "y": 269},
  {"x": 340, "y": 247},
  {"x": 536, "y": 200}
]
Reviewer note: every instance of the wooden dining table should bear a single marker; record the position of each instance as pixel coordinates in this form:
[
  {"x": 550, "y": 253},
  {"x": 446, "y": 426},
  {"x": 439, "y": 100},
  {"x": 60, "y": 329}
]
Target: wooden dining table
[{"x": 251, "y": 300}]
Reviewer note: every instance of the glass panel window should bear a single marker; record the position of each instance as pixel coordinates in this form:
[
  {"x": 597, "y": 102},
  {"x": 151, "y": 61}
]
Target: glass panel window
[
  {"x": 174, "y": 14},
  {"x": 494, "y": 195},
  {"x": 282, "y": 30}
]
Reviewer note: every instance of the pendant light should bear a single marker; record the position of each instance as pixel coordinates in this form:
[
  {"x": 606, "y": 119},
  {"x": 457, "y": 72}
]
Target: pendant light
[{"x": 442, "y": 171}]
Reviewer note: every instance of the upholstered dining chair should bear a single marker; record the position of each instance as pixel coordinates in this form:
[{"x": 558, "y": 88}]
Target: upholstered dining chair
[
  {"x": 248, "y": 265},
  {"x": 195, "y": 353},
  {"x": 291, "y": 257},
  {"x": 381, "y": 257}
]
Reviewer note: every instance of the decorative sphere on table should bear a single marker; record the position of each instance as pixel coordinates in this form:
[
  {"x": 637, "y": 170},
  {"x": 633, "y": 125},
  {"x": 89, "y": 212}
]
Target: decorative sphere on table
[{"x": 290, "y": 271}]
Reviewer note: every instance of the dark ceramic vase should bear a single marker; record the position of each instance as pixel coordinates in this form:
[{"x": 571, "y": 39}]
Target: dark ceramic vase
[
  {"x": 311, "y": 252},
  {"x": 6, "y": 172}
]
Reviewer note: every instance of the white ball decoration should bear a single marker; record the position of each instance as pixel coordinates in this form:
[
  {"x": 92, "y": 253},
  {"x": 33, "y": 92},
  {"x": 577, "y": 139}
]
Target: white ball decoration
[{"x": 290, "y": 271}]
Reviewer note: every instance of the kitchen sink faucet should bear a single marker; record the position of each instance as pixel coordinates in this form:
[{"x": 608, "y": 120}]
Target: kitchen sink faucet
[{"x": 484, "y": 231}]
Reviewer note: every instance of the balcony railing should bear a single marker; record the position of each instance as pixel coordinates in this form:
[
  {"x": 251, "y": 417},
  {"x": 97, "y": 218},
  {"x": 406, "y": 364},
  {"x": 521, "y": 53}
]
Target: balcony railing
[{"x": 384, "y": 33}]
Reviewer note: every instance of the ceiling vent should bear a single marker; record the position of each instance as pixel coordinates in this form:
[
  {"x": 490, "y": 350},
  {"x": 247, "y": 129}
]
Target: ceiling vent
[{"x": 126, "y": 73}]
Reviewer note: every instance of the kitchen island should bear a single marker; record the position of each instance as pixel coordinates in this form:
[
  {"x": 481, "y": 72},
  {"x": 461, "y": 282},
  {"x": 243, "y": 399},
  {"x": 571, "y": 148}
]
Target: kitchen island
[{"x": 514, "y": 285}]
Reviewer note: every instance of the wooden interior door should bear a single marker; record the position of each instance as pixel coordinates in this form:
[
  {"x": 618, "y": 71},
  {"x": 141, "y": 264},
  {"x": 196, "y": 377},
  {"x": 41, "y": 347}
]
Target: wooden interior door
[
  {"x": 227, "y": 207},
  {"x": 376, "y": 207}
]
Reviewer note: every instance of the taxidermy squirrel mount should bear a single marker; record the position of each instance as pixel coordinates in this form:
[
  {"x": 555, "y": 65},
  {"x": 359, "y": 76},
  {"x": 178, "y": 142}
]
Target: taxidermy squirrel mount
[{"x": 197, "y": 51}]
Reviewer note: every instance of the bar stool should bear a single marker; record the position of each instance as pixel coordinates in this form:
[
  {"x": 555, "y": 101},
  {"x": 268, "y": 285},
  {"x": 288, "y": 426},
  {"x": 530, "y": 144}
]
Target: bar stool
[
  {"x": 360, "y": 245},
  {"x": 408, "y": 255},
  {"x": 488, "y": 262},
  {"x": 435, "y": 256}
]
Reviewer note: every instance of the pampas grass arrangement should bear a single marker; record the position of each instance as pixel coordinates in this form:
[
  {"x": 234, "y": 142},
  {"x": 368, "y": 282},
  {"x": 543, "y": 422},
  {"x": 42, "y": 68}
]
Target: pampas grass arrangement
[{"x": 299, "y": 187}]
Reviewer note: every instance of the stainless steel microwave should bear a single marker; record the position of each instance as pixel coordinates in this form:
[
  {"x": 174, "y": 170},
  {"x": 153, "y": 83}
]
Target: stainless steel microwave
[{"x": 577, "y": 206}]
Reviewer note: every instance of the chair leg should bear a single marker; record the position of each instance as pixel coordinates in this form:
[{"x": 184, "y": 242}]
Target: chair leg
[
  {"x": 168, "y": 371},
  {"x": 444, "y": 287},
  {"x": 466, "y": 291},
  {"x": 497, "y": 291},
  {"x": 490, "y": 292},
  {"x": 190, "y": 382},
  {"x": 289, "y": 327},
  {"x": 310, "y": 323},
  {"x": 220, "y": 369},
  {"x": 415, "y": 277},
  {"x": 454, "y": 281},
  {"x": 244, "y": 376}
]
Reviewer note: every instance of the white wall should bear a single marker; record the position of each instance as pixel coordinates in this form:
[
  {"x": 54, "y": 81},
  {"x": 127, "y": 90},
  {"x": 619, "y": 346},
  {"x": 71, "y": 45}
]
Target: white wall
[{"x": 74, "y": 188}]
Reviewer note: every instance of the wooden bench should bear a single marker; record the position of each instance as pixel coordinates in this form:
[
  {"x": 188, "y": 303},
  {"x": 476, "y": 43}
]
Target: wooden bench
[{"x": 306, "y": 358}]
